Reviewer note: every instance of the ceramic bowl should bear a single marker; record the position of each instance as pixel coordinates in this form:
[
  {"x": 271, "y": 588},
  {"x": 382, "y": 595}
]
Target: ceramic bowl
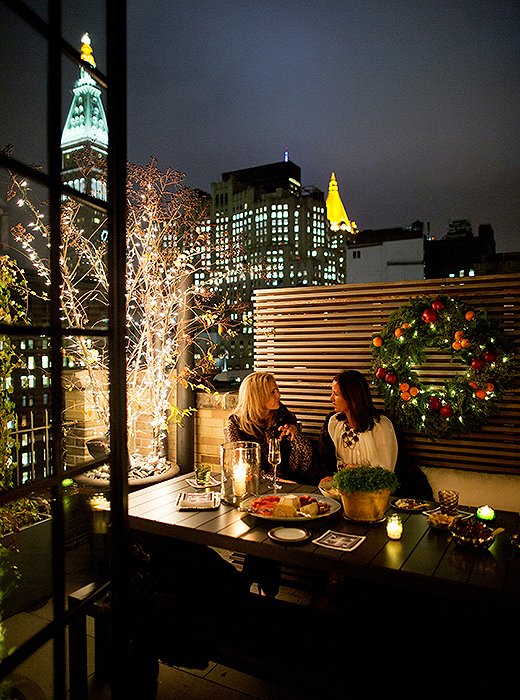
[{"x": 326, "y": 488}]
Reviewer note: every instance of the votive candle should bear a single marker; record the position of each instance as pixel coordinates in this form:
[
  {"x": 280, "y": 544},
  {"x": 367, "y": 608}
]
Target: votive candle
[
  {"x": 485, "y": 513},
  {"x": 394, "y": 527},
  {"x": 239, "y": 478}
]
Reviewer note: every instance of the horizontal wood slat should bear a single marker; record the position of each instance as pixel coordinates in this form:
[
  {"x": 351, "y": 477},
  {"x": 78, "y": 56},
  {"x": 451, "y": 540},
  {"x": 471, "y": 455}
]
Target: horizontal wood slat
[{"x": 304, "y": 335}]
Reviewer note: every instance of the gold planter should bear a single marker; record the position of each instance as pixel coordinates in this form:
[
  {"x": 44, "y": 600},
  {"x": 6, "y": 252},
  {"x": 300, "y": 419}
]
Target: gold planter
[{"x": 365, "y": 506}]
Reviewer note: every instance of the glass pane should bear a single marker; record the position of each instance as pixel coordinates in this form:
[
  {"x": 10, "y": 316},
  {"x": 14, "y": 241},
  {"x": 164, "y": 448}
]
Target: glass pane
[
  {"x": 86, "y": 414},
  {"x": 84, "y": 267},
  {"x": 23, "y": 112},
  {"x": 86, "y": 16},
  {"x": 26, "y": 241}
]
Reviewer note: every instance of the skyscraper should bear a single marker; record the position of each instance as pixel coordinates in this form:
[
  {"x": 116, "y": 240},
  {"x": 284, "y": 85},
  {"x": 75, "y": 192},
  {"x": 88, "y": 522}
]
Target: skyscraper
[{"x": 278, "y": 235}]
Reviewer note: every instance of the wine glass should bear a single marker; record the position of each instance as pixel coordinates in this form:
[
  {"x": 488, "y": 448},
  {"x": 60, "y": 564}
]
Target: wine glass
[{"x": 274, "y": 457}]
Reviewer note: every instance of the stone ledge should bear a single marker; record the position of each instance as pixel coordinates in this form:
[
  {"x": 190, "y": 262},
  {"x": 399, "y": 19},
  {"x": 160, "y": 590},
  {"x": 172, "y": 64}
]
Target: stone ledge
[{"x": 225, "y": 401}]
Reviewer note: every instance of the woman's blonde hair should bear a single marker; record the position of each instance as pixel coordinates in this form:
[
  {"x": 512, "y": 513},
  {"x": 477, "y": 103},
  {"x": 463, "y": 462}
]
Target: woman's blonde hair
[{"x": 253, "y": 394}]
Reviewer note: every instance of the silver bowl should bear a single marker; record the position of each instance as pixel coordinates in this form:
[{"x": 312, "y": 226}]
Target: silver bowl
[{"x": 472, "y": 533}]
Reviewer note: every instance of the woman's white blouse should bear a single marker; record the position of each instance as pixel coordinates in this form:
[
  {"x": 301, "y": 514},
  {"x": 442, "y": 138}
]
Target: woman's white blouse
[{"x": 375, "y": 447}]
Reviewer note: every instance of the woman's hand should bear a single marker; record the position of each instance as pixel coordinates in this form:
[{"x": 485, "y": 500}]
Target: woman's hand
[{"x": 287, "y": 430}]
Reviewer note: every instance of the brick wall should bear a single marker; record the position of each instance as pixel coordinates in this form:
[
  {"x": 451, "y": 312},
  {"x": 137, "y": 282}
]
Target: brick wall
[{"x": 210, "y": 420}]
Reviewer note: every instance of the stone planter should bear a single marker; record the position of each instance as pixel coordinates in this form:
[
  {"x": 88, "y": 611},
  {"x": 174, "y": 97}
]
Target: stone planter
[
  {"x": 33, "y": 558},
  {"x": 365, "y": 506}
]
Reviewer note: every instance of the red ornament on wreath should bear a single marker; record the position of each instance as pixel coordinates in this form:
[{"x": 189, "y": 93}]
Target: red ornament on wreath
[{"x": 483, "y": 354}]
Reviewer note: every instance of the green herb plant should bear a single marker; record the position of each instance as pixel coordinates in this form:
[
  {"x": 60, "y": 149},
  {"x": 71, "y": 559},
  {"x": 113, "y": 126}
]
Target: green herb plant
[{"x": 364, "y": 478}]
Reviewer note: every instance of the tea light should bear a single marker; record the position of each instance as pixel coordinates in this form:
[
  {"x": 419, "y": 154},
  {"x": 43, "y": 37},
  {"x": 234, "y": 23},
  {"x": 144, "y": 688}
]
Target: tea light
[
  {"x": 485, "y": 513},
  {"x": 239, "y": 478},
  {"x": 394, "y": 527}
]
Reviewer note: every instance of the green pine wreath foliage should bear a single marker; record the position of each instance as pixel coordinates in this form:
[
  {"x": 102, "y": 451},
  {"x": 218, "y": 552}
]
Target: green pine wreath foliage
[{"x": 483, "y": 354}]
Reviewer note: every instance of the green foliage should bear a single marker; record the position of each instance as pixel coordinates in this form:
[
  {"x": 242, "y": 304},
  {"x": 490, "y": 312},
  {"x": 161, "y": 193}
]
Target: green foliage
[
  {"x": 26, "y": 511},
  {"x": 14, "y": 294},
  {"x": 13, "y": 310},
  {"x": 364, "y": 478},
  {"x": 472, "y": 393}
]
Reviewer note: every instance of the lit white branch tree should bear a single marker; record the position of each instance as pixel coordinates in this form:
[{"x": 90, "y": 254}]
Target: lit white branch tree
[{"x": 168, "y": 272}]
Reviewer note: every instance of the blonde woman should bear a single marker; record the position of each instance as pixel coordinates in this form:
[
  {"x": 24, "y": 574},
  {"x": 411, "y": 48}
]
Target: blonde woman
[{"x": 259, "y": 415}]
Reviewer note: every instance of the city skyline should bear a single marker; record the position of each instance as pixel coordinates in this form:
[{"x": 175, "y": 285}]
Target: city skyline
[{"x": 413, "y": 105}]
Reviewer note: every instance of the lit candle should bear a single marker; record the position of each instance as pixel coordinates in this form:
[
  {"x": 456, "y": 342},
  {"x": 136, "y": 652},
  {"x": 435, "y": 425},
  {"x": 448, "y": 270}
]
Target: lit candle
[
  {"x": 394, "y": 527},
  {"x": 239, "y": 478},
  {"x": 485, "y": 513}
]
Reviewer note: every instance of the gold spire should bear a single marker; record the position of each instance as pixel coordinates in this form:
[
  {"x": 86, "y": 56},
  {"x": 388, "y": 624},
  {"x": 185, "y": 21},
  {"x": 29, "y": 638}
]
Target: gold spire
[
  {"x": 86, "y": 50},
  {"x": 336, "y": 213}
]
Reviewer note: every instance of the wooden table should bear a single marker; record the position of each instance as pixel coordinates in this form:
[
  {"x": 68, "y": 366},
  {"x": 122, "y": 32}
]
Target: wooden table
[
  {"x": 435, "y": 601},
  {"x": 424, "y": 561}
]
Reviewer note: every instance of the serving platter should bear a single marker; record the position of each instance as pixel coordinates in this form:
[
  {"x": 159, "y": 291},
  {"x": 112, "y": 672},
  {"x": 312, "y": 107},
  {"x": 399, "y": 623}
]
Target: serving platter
[{"x": 334, "y": 506}]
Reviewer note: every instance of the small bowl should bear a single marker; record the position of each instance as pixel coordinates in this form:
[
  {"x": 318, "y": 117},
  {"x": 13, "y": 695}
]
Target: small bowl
[
  {"x": 326, "y": 488},
  {"x": 440, "y": 521},
  {"x": 472, "y": 533}
]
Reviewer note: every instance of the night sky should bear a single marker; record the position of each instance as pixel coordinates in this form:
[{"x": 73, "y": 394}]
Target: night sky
[{"x": 414, "y": 105}]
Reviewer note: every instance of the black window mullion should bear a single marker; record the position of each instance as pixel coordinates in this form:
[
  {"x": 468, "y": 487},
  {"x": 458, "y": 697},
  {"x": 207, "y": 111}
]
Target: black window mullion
[{"x": 54, "y": 101}]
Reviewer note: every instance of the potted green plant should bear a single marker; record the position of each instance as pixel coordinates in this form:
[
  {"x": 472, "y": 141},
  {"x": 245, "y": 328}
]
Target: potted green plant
[
  {"x": 19, "y": 544},
  {"x": 365, "y": 491}
]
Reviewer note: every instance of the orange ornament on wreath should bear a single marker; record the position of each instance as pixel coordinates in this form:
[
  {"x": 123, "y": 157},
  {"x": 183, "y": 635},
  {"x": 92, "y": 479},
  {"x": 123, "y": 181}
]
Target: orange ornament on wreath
[{"x": 484, "y": 355}]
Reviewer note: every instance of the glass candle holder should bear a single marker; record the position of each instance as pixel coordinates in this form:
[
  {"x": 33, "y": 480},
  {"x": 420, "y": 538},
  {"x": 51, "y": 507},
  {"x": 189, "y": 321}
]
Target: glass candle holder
[
  {"x": 485, "y": 513},
  {"x": 394, "y": 527},
  {"x": 448, "y": 501},
  {"x": 240, "y": 471}
]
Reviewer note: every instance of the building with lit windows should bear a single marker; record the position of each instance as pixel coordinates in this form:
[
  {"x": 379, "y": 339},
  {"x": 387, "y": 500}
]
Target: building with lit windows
[
  {"x": 84, "y": 147},
  {"x": 84, "y": 142},
  {"x": 269, "y": 231}
]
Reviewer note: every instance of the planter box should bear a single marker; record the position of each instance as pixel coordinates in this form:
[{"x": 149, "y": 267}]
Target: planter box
[
  {"x": 34, "y": 562},
  {"x": 366, "y": 506}
]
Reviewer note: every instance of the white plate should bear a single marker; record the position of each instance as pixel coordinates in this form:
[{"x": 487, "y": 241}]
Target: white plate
[
  {"x": 289, "y": 535},
  {"x": 334, "y": 507}
]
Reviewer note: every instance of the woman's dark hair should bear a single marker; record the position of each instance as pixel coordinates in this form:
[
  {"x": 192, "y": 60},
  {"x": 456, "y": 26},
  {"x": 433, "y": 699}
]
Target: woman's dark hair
[{"x": 356, "y": 392}]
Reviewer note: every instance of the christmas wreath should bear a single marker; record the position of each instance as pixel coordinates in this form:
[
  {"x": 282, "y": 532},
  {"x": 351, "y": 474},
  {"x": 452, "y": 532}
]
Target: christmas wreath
[{"x": 482, "y": 356}]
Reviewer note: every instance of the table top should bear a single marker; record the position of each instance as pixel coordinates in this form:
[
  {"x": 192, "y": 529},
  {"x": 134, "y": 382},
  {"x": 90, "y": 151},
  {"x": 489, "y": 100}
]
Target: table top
[{"x": 424, "y": 560}]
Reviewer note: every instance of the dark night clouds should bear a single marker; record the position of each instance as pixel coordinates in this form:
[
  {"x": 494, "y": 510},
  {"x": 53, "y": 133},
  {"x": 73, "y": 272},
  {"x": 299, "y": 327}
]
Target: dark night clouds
[{"x": 414, "y": 105}]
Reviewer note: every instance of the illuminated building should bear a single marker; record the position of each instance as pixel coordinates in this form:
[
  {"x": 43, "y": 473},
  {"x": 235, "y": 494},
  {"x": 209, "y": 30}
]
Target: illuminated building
[
  {"x": 84, "y": 140},
  {"x": 278, "y": 235}
]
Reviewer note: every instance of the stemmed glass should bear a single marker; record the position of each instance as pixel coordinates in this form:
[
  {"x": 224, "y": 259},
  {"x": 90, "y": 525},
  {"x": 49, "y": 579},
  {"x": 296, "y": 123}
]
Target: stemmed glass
[{"x": 274, "y": 458}]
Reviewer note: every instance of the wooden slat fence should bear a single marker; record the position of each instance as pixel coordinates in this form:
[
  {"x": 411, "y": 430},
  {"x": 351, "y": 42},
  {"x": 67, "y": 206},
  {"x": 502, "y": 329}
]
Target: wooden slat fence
[{"x": 304, "y": 335}]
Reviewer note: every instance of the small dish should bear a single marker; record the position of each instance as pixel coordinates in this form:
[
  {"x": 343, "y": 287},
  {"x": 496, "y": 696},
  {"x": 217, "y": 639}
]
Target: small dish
[
  {"x": 212, "y": 482},
  {"x": 440, "y": 521},
  {"x": 289, "y": 535},
  {"x": 326, "y": 488},
  {"x": 412, "y": 505}
]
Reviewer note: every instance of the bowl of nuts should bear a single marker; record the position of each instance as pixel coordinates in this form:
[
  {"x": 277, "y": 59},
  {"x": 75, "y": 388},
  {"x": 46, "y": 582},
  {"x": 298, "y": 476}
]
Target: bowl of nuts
[
  {"x": 440, "y": 521},
  {"x": 472, "y": 533}
]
